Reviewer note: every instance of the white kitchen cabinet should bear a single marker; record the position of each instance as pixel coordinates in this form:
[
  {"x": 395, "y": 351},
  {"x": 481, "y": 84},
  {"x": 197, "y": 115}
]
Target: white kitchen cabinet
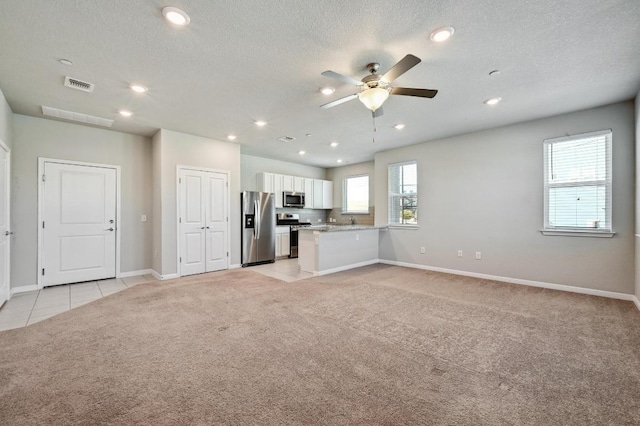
[
  {"x": 308, "y": 193},
  {"x": 283, "y": 240},
  {"x": 317, "y": 194},
  {"x": 327, "y": 194},
  {"x": 287, "y": 183},
  {"x": 265, "y": 182}
]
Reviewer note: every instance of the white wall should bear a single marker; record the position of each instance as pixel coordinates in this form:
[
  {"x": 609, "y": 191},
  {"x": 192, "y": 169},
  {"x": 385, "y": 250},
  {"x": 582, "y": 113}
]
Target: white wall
[
  {"x": 484, "y": 192},
  {"x": 637, "y": 229},
  {"x": 6, "y": 121},
  {"x": 37, "y": 137},
  {"x": 188, "y": 150},
  {"x": 337, "y": 175},
  {"x": 156, "y": 216},
  {"x": 252, "y": 165}
]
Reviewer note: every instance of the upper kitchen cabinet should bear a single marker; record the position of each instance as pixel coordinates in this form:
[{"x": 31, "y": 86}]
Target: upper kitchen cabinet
[
  {"x": 287, "y": 183},
  {"x": 318, "y": 192},
  {"x": 327, "y": 194}
]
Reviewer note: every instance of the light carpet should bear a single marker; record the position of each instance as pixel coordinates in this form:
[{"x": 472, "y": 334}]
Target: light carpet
[{"x": 379, "y": 345}]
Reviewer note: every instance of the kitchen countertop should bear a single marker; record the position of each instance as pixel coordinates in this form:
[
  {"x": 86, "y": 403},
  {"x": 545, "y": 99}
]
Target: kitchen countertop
[{"x": 339, "y": 228}]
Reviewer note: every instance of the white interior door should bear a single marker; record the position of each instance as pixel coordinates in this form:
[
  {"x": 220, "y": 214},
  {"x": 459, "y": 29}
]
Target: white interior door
[
  {"x": 4, "y": 225},
  {"x": 79, "y": 223},
  {"x": 217, "y": 218},
  {"x": 203, "y": 221},
  {"x": 192, "y": 222}
]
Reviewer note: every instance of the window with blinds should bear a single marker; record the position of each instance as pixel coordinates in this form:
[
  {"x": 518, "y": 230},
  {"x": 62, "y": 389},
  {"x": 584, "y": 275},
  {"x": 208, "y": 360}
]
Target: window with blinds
[
  {"x": 403, "y": 193},
  {"x": 577, "y": 182},
  {"x": 356, "y": 194}
]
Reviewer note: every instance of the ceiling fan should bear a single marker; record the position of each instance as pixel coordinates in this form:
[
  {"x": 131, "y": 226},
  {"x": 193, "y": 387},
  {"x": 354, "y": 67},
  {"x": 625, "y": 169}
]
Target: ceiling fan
[{"x": 375, "y": 88}]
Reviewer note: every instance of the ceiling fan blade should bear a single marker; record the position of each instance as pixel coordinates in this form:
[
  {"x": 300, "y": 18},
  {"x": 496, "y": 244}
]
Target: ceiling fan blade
[
  {"x": 377, "y": 113},
  {"x": 404, "y": 65},
  {"x": 421, "y": 93},
  {"x": 343, "y": 78},
  {"x": 339, "y": 101}
]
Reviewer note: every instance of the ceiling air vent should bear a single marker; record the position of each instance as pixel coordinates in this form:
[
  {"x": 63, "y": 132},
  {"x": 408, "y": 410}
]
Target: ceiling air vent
[
  {"x": 286, "y": 139},
  {"x": 74, "y": 83},
  {"x": 76, "y": 116}
]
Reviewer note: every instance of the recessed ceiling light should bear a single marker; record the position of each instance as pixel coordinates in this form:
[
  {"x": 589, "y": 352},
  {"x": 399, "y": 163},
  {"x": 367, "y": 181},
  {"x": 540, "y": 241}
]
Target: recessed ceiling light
[
  {"x": 138, "y": 88},
  {"x": 65, "y": 62},
  {"x": 125, "y": 113},
  {"x": 338, "y": 160},
  {"x": 327, "y": 90},
  {"x": 302, "y": 152},
  {"x": 334, "y": 144},
  {"x": 441, "y": 34},
  {"x": 260, "y": 123},
  {"x": 176, "y": 16},
  {"x": 399, "y": 126},
  {"x": 231, "y": 137},
  {"x": 492, "y": 101}
]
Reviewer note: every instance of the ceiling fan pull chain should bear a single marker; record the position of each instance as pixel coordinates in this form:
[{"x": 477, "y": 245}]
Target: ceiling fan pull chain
[{"x": 373, "y": 115}]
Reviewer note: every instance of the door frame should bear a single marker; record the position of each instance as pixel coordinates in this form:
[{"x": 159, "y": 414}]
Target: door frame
[
  {"x": 180, "y": 168},
  {"x": 6, "y": 148},
  {"x": 41, "y": 163}
]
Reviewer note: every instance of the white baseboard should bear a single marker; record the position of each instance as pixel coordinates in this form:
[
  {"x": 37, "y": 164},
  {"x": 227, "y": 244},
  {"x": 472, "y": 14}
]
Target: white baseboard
[
  {"x": 235, "y": 266},
  {"x": 23, "y": 289},
  {"x": 560, "y": 287},
  {"x": 346, "y": 267},
  {"x": 135, "y": 273},
  {"x": 164, "y": 277},
  {"x": 637, "y": 302}
]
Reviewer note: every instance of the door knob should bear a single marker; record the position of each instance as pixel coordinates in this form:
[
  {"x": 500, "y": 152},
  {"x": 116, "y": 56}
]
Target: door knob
[
  {"x": 110, "y": 229},
  {"x": 7, "y": 233},
  {"x": 111, "y": 221},
  {"x": 202, "y": 227}
]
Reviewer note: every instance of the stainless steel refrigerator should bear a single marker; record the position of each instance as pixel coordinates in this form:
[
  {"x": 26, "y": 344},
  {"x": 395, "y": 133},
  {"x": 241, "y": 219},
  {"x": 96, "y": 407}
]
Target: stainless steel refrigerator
[{"x": 258, "y": 228}]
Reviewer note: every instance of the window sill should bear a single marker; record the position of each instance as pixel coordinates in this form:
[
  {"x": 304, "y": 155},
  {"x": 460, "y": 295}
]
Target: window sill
[
  {"x": 577, "y": 233},
  {"x": 391, "y": 226}
]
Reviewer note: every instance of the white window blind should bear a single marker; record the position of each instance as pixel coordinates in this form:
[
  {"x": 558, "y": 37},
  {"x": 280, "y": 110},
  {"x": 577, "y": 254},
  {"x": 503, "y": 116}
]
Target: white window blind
[
  {"x": 403, "y": 193},
  {"x": 356, "y": 194},
  {"x": 577, "y": 182}
]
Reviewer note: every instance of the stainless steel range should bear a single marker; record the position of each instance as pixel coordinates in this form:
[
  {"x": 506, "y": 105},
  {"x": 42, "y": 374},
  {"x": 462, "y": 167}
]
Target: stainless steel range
[{"x": 293, "y": 220}]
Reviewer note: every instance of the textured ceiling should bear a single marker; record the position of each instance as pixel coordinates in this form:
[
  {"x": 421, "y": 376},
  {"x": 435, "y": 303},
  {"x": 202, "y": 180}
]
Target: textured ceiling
[{"x": 246, "y": 60}]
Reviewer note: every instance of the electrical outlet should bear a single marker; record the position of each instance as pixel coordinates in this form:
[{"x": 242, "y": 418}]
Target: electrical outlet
[
  {"x": 423, "y": 250},
  {"x": 459, "y": 253},
  {"x": 478, "y": 255},
  {"x": 143, "y": 218}
]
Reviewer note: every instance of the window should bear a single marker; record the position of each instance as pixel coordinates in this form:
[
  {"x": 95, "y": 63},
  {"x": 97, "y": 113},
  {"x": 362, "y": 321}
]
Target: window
[
  {"x": 356, "y": 194},
  {"x": 403, "y": 193},
  {"x": 577, "y": 184}
]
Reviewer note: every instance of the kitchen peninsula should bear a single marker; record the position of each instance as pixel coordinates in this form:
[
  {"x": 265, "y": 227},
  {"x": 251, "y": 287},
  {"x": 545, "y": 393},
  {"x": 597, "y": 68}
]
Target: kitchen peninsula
[{"x": 327, "y": 249}]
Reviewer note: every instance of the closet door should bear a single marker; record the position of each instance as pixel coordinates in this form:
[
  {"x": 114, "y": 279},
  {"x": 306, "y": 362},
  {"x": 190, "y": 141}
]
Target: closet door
[
  {"x": 203, "y": 221},
  {"x": 217, "y": 218},
  {"x": 192, "y": 222}
]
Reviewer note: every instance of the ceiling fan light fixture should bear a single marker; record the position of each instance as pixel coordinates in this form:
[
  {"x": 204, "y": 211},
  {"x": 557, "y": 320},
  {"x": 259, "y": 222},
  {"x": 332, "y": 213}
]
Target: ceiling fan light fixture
[
  {"x": 176, "y": 16},
  {"x": 374, "y": 97},
  {"x": 327, "y": 91},
  {"x": 441, "y": 34}
]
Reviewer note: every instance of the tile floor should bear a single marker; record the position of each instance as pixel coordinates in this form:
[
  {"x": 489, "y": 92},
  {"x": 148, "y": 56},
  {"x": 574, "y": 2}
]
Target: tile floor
[
  {"x": 28, "y": 308},
  {"x": 284, "y": 269},
  {"x": 25, "y": 309}
]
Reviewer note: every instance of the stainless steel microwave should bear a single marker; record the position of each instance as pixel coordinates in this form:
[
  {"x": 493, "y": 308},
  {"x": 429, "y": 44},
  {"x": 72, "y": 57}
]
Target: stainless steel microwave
[{"x": 292, "y": 199}]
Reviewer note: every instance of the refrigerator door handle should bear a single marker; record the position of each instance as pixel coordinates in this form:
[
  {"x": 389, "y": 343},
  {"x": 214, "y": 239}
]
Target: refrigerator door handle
[{"x": 256, "y": 229}]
